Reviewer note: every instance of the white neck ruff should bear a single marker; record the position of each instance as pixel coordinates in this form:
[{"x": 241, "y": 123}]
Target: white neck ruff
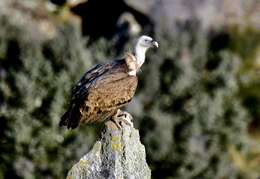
[{"x": 140, "y": 55}]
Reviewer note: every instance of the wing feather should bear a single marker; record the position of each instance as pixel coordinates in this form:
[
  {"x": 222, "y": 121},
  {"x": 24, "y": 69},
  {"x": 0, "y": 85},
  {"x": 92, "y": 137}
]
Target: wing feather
[
  {"x": 99, "y": 93},
  {"x": 109, "y": 92},
  {"x": 81, "y": 88}
]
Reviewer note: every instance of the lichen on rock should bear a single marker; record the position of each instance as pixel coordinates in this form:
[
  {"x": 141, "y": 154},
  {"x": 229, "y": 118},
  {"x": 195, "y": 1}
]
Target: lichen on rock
[{"x": 118, "y": 154}]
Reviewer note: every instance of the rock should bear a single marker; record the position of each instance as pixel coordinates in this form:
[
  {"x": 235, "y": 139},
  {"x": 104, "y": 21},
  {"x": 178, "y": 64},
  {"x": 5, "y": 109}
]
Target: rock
[
  {"x": 98, "y": 25},
  {"x": 118, "y": 154},
  {"x": 210, "y": 13}
]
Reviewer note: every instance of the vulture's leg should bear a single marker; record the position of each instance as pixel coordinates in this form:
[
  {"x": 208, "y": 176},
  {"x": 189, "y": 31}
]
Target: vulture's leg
[{"x": 122, "y": 117}]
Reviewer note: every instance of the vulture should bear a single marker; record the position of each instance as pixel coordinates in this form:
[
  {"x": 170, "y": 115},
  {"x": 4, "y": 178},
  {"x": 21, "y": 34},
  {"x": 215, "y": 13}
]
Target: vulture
[{"x": 105, "y": 88}]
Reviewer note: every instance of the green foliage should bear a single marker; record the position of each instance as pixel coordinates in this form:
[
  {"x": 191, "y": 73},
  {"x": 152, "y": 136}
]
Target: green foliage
[
  {"x": 248, "y": 47},
  {"x": 193, "y": 113},
  {"x": 36, "y": 76}
]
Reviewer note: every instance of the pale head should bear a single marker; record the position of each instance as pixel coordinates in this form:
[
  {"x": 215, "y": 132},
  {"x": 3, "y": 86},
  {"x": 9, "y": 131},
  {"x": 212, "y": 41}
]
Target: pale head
[
  {"x": 146, "y": 42},
  {"x": 143, "y": 44}
]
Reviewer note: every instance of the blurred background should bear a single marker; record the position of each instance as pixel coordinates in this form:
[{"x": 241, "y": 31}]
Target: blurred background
[{"x": 197, "y": 105}]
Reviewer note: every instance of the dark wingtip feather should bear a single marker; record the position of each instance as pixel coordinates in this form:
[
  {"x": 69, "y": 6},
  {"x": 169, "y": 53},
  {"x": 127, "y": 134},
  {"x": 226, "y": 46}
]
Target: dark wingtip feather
[
  {"x": 64, "y": 120},
  {"x": 71, "y": 117},
  {"x": 74, "y": 118}
]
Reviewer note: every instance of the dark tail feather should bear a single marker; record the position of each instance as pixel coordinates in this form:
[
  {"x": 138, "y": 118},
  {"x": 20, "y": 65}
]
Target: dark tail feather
[
  {"x": 64, "y": 119},
  {"x": 71, "y": 117}
]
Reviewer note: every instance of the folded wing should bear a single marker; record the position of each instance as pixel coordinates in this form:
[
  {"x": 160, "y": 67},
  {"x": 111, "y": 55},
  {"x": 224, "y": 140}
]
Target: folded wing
[{"x": 99, "y": 93}]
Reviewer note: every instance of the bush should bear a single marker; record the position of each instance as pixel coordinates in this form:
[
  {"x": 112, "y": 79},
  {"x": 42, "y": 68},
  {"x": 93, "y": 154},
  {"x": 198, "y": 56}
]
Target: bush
[
  {"x": 192, "y": 112},
  {"x": 36, "y": 76}
]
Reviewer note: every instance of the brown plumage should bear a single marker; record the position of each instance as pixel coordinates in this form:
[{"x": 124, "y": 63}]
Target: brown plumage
[{"x": 104, "y": 89}]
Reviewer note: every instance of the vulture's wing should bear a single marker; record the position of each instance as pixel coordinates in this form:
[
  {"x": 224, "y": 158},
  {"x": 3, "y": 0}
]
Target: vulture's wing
[
  {"x": 78, "y": 94},
  {"x": 99, "y": 92},
  {"x": 108, "y": 92},
  {"x": 80, "y": 90}
]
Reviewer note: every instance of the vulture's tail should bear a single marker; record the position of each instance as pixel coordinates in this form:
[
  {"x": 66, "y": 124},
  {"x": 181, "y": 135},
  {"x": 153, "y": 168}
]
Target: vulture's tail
[{"x": 71, "y": 117}]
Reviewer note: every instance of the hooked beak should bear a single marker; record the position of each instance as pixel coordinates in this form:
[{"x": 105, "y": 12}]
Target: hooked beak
[{"x": 155, "y": 44}]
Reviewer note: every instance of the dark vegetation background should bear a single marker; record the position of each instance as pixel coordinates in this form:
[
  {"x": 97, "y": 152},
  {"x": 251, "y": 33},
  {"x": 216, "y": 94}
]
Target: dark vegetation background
[{"x": 197, "y": 105}]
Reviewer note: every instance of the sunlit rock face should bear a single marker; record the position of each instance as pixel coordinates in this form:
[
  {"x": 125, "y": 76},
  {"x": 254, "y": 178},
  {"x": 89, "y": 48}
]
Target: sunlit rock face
[{"x": 119, "y": 154}]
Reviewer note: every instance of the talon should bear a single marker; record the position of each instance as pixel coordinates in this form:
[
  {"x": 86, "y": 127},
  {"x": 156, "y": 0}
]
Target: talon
[
  {"x": 122, "y": 115},
  {"x": 122, "y": 118},
  {"x": 117, "y": 123}
]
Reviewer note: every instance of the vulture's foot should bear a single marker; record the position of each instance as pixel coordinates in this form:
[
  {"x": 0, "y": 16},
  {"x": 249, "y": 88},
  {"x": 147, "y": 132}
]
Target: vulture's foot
[{"x": 121, "y": 118}]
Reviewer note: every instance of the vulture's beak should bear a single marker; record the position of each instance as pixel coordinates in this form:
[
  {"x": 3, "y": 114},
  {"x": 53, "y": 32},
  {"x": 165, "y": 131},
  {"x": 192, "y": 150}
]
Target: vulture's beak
[{"x": 155, "y": 44}]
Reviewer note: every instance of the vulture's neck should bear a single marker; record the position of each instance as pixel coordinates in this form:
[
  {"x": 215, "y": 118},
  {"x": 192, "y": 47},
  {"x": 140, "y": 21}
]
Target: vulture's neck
[
  {"x": 140, "y": 55},
  {"x": 135, "y": 61}
]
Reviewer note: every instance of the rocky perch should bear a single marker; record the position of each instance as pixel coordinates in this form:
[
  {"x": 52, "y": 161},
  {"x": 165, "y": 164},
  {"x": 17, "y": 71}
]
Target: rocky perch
[{"x": 118, "y": 154}]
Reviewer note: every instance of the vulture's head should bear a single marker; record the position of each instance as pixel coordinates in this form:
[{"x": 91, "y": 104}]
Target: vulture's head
[
  {"x": 146, "y": 42},
  {"x": 143, "y": 43}
]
